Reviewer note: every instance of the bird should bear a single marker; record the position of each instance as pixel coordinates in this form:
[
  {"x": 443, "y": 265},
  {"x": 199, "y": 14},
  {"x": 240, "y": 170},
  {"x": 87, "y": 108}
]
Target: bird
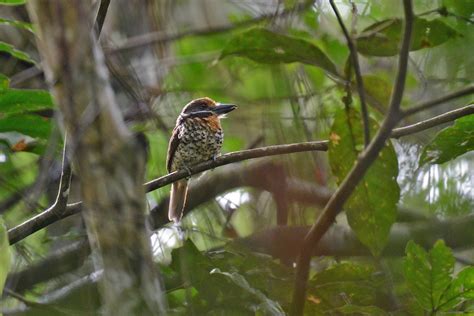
[{"x": 197, "y": 137}]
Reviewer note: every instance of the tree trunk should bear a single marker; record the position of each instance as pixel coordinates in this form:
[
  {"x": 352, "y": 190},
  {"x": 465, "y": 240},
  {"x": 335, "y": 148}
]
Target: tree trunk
[{"x": 105, "y": 156}]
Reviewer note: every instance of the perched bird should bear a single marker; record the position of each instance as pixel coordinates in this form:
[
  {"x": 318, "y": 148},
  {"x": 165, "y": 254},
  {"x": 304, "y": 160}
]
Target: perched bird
[{"x": 197, "y": 137}]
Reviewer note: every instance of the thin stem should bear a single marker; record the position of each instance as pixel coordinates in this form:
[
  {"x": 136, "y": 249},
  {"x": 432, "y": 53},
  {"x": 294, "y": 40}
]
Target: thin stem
[
  {"x": 432, "y": 103},
  {"x": 366, "y": 159},
  {"x": 432, "y": 122},
  {"x": 99, "y": 21},
  {"x": 360, "y": 82}
]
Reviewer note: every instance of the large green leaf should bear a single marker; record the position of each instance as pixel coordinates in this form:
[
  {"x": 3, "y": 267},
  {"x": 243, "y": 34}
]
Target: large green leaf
[
  {"x": 266, "y": 306},
  {"x": 267, "y": 47},
  {"x": 330, "y": 288},
  {"x": 451, "y": 142},
  {"x": 428, "y": 274},
  {"x": 372, "y": 208},
  {"x": 10, "y": 49},
  {"x": 5, "y": 260},
  {"x": 17, "y": 101},
  {"x": 429, "y": 277},
  {"x": 378, "y": 92},
  {"x": 31, "y": 125},
  {"x": 383, "y": 38}
]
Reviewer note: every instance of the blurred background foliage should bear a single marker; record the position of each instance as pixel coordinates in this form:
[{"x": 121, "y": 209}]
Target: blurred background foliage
[{"x": 285, "y": 63}]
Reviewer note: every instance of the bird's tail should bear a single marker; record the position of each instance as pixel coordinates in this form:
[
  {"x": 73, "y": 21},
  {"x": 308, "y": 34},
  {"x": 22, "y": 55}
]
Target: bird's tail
[{"x": 179, "y": 190}]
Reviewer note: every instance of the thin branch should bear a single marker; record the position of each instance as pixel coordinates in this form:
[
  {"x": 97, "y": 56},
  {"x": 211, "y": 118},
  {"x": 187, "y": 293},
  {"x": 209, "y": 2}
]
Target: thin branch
[
  {"x": 431, "y": 103},
  {"x": 57, "y": 212},
  {"x": 432, "y": 122},
  {"x": 54, "y": 214},
  {"x": 359, "y": 80},
  {"x": 235, "y": 157},
  {"x": 100, "y": 19},
  {"x": 161, "y": 37},
  {"x": 54, "y": 211},
  {"x": 366, "y": 159}
]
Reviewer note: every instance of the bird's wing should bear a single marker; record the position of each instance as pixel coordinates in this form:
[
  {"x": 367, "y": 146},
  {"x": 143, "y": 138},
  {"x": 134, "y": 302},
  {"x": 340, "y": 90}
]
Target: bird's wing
[{"x": 173, "y": 144}]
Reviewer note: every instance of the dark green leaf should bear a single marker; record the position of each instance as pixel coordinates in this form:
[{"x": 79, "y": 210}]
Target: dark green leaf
[
  {"x": 4, "y": 254},
  {"x": 266, "y": 47},
  {"x": 9, "y": 49},
  {"x": 16, "y": 101},
  {"x": 383, "y": 38},
  {"x": 451, "y": 142},
  {"x": 267, "y": 306},
  {"x": 378, "y": 92},
  {"x": 19, "y": 24},
  {"x": 428, "y": 274},
  {"x": 372, "y": 208},
  {"x": 12, "y": 2},
  {"x": 31, "y": 125},
  {"x": 332, "y": 288}
]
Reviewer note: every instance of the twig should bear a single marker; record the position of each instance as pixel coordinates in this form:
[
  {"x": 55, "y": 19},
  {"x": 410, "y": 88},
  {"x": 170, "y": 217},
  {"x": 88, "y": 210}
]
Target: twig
[
  {"x": 359, "y": 80},
  {"x": 100, "y": 19},
  {"x": 161, "y": 37},
  {"x": 366, "y": 159},
  {"x": 54, "y": 211},
  {"x": 432, "y": 122},
  {"x": 57, "y": 211},
  {"x": 431, "y": 103}
]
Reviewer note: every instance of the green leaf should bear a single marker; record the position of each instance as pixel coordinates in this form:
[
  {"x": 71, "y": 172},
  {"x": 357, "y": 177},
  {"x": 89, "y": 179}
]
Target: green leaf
[
  {"x": 12, "y": 2},
  {"x": 462, "y": 288},
  {"x": 4, "y": 82},
  {"x": 10, "y": 49},
  {"x": 429, "y": 274},
  {"x": 264, "y": 46},
  {"x": 19, "y": 24},
  {"x": 17, "y": 101},
  {"x": 372, "y": 208},
  {"x": 267, "y": 306},
  {"x": 31, "y": 125},
  {"x": 383, "y": 38},
  {"x": 5, "y": 256},
  {"x": 451, "y": 142},
  {"x": 378, "y": 92}
]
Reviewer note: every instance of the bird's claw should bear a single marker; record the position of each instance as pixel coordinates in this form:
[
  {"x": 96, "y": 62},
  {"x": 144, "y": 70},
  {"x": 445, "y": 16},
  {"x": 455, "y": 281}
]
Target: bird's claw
[{"x": 188, "y": 171}]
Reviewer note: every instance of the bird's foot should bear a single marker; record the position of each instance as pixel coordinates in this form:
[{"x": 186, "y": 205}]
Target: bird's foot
[{"x": 188, "y": 171}]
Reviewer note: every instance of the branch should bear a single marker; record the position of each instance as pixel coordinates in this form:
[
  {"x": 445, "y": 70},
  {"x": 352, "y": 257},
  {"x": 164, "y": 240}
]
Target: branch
[
  {"x": 100, "y": 19},
  {"x": 52, "y": 215},
  {"x": 360, "y": 82},
  {"x": 284, "y": 242},
  {"x": 235, "y": 157},
  {"x": 432, "y": 122},
  {"x": 161, "y": 37},
  {"x": 366, "y": 159},
  {"x": 55, "y": 213},
  {"x": 429, "y": 104}
]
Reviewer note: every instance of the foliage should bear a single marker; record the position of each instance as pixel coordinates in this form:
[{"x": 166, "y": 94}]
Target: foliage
[
  {"x": 372, "y": 208},
  {"x": 430, "y": 278},
  {"x": 284, "y": 71},
  {"x": 451, "y": 142}
]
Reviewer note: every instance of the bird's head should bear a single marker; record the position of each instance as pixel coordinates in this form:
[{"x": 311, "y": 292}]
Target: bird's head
[{"x": 205, "y": 108}]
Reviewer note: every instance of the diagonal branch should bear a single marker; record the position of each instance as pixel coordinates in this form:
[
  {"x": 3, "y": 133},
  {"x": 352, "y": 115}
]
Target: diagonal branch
[
  {"x": 366, "y": 159},
  {"x": 359, "y": 80},
  {"x": 55, "y": 213},
  {"x": 432, "y": 122},
  {"x": 432, "y": 103}
]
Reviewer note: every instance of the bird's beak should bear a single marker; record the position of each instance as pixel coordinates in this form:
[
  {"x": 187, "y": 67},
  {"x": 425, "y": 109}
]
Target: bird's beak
[{"x": 221, "y": 109}]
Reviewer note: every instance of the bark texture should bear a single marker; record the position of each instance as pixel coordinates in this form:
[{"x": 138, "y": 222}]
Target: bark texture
[{"x": 104, "y": 154}]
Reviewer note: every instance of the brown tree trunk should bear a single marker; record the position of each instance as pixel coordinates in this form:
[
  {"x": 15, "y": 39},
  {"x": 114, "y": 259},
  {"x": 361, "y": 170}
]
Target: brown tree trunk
[{"x": 105, "y": 156}]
